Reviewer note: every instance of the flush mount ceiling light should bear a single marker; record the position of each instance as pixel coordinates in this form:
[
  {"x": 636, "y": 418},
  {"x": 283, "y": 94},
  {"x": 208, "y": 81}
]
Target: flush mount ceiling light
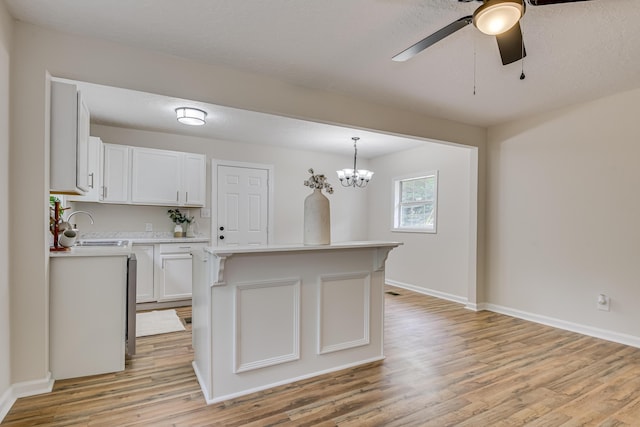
[
  {"x": 190, "y": 116},
  {"x": 354, "y": 177},
  {"x": 497, "y": 16}
]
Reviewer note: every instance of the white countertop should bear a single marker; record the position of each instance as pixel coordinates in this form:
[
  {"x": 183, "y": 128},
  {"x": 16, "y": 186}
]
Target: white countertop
[
  {"x": 143, "y": 237},
  {"x": 93, "y": 251},
  {"x": 228, "y": 250},
  {"x": 133, "y": 238}
]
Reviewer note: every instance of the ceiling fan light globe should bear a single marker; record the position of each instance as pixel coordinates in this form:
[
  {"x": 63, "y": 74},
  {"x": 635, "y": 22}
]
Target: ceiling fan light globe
[{"x": 497, "y": 16}]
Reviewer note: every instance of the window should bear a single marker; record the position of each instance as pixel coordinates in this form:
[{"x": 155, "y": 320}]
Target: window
[{"x": 415, "y": 203}]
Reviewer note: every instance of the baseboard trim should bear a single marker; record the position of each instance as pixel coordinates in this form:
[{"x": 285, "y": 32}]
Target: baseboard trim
[
  {"x": 24, "y": 389},
  {"x": 6, "y": 402},
  {"x": 630, "y": 340},
  {"x": 430, "y": 292}
]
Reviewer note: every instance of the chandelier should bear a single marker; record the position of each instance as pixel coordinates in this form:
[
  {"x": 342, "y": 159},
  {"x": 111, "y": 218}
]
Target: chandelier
[{"x": 354, "y": 177}]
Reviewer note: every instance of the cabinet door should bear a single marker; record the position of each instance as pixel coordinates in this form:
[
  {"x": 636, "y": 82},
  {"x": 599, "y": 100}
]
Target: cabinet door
[
  {"x": 155, "y": 176},
  {"x": 175, "y": 279},
  {"x": 94, "y": 173},
  {"x": 115, "y": 177},
  {"x": 69, "y": 139},
  {"x": 144, "y": 278},
  {"x": 194, "y": 180},
  {"x": 82, "y": 149}
]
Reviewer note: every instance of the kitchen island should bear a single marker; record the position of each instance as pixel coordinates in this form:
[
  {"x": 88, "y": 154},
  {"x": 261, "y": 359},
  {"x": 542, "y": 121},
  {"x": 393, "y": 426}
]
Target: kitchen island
[{"x": 270, "y": 315}]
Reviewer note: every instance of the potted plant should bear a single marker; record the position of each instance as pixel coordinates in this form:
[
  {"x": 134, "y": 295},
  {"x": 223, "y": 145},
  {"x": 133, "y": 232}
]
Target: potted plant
[{"x": 179, "y": 219}]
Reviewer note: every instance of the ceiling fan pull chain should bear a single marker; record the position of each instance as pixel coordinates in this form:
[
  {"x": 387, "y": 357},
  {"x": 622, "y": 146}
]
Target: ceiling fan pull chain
[
  {"x": 474, "y": 64},
  {"x": 522, "y": 76}
]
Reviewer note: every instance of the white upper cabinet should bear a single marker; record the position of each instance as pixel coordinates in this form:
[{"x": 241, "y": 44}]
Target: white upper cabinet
[
  {"x": 94, "y": 172},
  {"x": 115, "y": 174},
  {"x": 194, "y": 180},
  {"x": 70, "y": 122},
  {"x": 144, "y": 176},
  {"x": 156, "y": 176},
  {"x": 167, "y": 178}
]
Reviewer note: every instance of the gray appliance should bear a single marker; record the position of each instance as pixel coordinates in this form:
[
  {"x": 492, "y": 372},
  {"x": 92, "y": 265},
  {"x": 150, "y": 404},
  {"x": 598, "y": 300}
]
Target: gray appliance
[{"x": 132, "y": 270}]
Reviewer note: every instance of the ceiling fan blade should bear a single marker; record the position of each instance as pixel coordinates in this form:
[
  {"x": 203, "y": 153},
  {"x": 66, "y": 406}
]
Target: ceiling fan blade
[
  {"x": 432, "y": 39},
  {"x": 511, "y": 45},
  {"x": 546, "y": 2}
]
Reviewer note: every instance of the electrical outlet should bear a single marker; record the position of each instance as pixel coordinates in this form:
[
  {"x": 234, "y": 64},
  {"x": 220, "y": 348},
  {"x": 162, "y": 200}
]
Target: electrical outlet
[
  {"x": 148, "y": 226},
  {"x": 603, "y": 302},
  {"x": 205, "y": 213}
]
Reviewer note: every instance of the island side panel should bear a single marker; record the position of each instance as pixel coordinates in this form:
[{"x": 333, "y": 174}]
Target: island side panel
[
  {"x": 87, "y": 315},
  {"x": 201, "y": 320},
  {"x": 285, "y": 316}
]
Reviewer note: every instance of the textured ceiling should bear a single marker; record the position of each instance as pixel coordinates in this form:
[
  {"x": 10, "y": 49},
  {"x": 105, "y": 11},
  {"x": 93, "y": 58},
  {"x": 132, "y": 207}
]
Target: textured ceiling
[
  {"x": 576, "y": 51},
  {"x": 140, "y": 110}
]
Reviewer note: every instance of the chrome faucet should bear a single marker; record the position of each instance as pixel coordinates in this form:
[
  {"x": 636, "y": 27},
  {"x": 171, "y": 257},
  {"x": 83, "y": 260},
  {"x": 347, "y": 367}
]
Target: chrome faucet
[{"x": 77, "y": 212}]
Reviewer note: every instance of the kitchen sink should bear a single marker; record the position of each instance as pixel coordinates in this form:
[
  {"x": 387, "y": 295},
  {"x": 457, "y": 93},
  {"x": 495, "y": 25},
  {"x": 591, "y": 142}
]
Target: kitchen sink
[{"x": 102, "y": 243}]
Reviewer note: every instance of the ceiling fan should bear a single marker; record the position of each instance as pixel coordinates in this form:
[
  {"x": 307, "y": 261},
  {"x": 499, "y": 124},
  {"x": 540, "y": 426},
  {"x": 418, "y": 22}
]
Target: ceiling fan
[{"x": 500, "y": 18}]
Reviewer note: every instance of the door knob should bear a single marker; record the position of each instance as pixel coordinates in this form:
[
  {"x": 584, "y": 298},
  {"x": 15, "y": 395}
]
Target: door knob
[
  {"x": 221, "y": 237},
  {"x": 221, "y": 228}
]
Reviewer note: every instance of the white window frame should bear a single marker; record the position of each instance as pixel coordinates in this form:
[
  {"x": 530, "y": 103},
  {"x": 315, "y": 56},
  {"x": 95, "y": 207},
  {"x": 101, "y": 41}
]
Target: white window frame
[{"x": 396, "y": 205}]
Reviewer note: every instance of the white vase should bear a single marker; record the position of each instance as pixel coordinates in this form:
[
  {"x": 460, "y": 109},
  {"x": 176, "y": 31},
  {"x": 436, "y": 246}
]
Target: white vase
[{"x": 317, "y": 219}]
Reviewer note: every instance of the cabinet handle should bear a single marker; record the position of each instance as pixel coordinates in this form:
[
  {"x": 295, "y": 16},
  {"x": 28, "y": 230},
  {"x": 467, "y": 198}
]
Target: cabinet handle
[
  {"x": 104, "y": 192},
  {"x": 177, "y": 196},
  {"x": 186, "y": 197},
  {"x": 91, "y": 176}
]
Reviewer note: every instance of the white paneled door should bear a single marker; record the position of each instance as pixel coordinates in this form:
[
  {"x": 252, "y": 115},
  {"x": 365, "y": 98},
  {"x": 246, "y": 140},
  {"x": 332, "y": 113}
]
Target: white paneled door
[{"x": 243, "y": 205}]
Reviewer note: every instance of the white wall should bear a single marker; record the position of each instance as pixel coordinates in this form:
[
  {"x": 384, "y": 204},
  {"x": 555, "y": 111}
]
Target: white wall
[
  {"x": 5, "y": 54},
  {"x": 38, "y": 51},
  {"x": 431, "y": 263},
  {"x": 348, "y": 209},
  {"x": 563, "y": 209}
]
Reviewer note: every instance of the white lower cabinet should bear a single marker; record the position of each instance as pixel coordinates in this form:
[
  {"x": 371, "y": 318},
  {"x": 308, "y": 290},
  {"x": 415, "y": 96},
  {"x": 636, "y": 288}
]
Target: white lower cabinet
[
  {"x": 144, "y": 278},
  {"x": 173, "y": 271},
  {"x": 174, "y": 280},
  {"x": 164, "y": 271}
]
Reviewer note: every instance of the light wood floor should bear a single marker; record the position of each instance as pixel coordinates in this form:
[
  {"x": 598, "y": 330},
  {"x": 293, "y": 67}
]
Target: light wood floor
[{"x": 445, "y": 366}]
